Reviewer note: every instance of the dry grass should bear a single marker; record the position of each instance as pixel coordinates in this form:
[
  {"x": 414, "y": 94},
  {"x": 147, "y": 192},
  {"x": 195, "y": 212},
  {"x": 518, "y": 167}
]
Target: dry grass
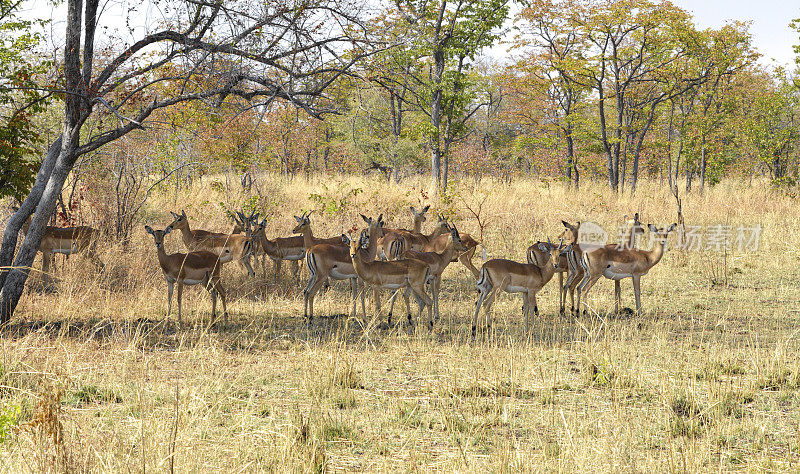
[{"x": 94, "y": 378}]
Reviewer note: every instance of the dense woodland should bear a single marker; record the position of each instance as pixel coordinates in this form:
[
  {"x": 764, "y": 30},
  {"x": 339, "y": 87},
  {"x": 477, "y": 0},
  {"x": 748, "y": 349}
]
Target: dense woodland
[{"x": 589, "y": 90}]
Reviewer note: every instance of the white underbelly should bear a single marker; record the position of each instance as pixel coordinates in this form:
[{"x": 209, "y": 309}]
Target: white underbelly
[
  {"x": 612, "y": 275},
  {"x": 65, "y": 251},
  {"x": 516, "y": 289},
  {"x": 191, "y": 282},
  {"x": 294, "y": 257},
  {"x": 393, "y": 286},
  {"x": 337, "y": 275}
]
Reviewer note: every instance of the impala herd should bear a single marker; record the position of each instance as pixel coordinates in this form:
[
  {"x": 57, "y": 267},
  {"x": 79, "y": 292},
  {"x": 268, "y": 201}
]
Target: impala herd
[{"x": 405, "y": 261}]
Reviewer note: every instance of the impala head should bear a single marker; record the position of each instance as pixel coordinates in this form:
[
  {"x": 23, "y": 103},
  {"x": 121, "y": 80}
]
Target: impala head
[
  {"x": 361, "y": 242},
  {"x": 660, "y": 235},
  {"x": 420, "y": 215},
  {"x": 637, "y": 228},
  {"x": 458, "y": 245},
  {"x": 374, "y": 225},
  {"x": 570, "y": 233},
  {"x": 303, "y": 223},
  {"x": 180, "y": 220},
  {"x": 442, "y": 224},
  {"x": 553, "y": 252},
  {"x": 158, "y": 235}
]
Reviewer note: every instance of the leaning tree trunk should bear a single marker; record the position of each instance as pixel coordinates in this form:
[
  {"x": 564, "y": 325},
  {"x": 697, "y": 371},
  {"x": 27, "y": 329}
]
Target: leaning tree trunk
[
  {"x": 74, "y": 105},
  {"x": 26, "y": 209}
]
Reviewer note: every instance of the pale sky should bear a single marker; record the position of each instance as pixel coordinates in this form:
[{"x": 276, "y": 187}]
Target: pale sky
[
  {"x": 772, "y": 36},
  {"x": 770, "y": 19}
]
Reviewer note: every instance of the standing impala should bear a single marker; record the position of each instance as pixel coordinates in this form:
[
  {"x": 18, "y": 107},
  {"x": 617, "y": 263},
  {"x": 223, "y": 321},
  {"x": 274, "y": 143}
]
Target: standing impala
[
  {"x": 438, "y": 243},
  {"x": 616, "y": 264},
  {"x": 303, "y": 227},
  {"x": 333, "y": 261},
  {"x": 279, "y": 249},
  {"x": 189, "y": 269},
  {"x": 66, "y": 240},
  {"x": 397, "y": 243},
  {"x": 576, "y": 269},
  {"x": 395, "y": 275},
  {"x": 536, "y": 255},
  {"x": 229, "y": 247},
  {"x": 513, "y": 277},
  {"x": 437, "y": 262}
]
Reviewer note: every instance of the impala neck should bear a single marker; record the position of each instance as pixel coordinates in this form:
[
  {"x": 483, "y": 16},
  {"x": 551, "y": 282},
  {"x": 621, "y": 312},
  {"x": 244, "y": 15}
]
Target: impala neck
[
  {"x": 418, "y": 224},
  {"x": 162, "y": 255},
  {"x": 654, "y": 256},
  {"x": 308, "y": 237},
  {"x": 372, "y": 247}
]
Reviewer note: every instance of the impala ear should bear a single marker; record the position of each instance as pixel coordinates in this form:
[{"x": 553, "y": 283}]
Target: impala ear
[
  {"x": 380, "y": 219},
  {"x": 652, "y": 228},
  {"x": 672, "y": 227},
  {"x": 543, "y": 247},
  {"x": 149, "y": 230},
  {"x": 566, "y": 224},
  {"x": 366, "y": 219},
  {"x": 425, "y": 209},
  {"x": 413, "y": 211},
  {"x": 345, "y": 239},
  {"x": 168, "y": 229},
  {"x": 297, "y": 219},
  {"x": 183, "y": 213}
]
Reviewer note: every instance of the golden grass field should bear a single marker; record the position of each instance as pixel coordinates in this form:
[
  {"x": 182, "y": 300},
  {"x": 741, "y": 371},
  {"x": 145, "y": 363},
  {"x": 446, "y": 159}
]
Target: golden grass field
[{"x": 94, "y": 378}]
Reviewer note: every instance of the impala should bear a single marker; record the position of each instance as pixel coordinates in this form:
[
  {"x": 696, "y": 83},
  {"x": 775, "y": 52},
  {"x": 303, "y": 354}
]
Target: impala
[
  {"x": 418, "y": 218},
  {"x": 229, "y": 247},
  {"x": 66, "y": 240},
  {"x": 536, "y": 255},
  {"x": 304, "y": 227},
  {"x": 333, "y": 261},
  {"x": 438, "y": 243},
  {"x": 575, "y": 267},
  {"x": 616, "y": 264},
  {"x": 189, "y": 269},
  {"x": 514, "y": 277},
  {"x": 397, "y": 243},
  {"x": 437, "y": 262},
  {"x": 395, "y": 275},
  {"x": 279, "y": 249}
]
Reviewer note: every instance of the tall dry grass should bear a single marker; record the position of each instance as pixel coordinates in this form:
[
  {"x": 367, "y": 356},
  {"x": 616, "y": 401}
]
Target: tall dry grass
[{"x": 94, "y": 377}]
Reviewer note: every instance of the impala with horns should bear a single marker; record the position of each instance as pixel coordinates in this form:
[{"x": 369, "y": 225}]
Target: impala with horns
[
  {"x": 514, "y": 277},
  {"x": 65, "y": 240},
  {"x": 437, "y": 262},
  {"x": 394, "y": 275},
  {"x": 616, "y": 264},
  {"x": 189, "y": 269},
  {"x": 229, "y": 247},
  {"x": 334, "y": 261},
  {"x": 397, "y": 243},
  {"x": 303, "y": 227},
  {"x": 438, "y": 243},
  {"x": 575, "y": 268}
]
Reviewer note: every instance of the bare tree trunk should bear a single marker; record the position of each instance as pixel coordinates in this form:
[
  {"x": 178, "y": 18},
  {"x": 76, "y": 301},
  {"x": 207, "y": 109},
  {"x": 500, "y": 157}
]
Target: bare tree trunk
[{"x": 703, "y": 164}]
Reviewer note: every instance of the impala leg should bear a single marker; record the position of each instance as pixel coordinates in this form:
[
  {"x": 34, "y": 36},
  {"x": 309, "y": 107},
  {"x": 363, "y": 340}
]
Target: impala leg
[
  {"x": 47, "y": 262},
  {"x": 277, "y": 264},
  {"x": 466, "y": 260},
  {"x": 221, "y": 291},
  {"x": 180, "y": 296},
  {"x": 583, "y": 289},
  {"x": 423, "y": 300},
  {"x": 246, "y": 263},
  {"x": 170, "y": 287},
  {"x": 436, "y": 284},
  {"x": 481, "y": 297},
  {"x": 296, "y": 271},
  {"x": 562, "y": 294},
  {"x": 361, "y": 287},
  {"x": 487, "y": 307},
  {"x": 209, "y": 285},
  {"x": 408, "y": 306},
  {"x": 535, "y": 312},
  {"x": 637, "y": 292},
  {"x": 617, "y": 296}
]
